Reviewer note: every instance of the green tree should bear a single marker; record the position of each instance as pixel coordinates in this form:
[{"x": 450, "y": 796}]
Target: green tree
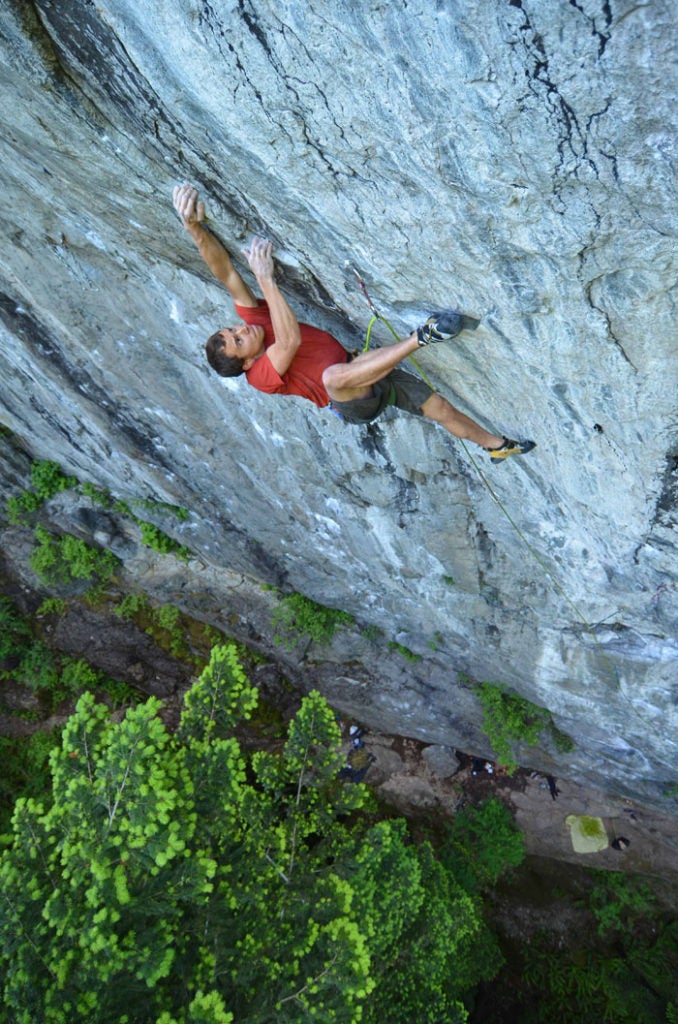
[
  {"x": 482, "y": 843},
  {"x": 172, "y": 880}
]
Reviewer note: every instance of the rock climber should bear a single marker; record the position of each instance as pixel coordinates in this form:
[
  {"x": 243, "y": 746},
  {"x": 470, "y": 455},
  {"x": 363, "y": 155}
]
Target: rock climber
[{"x": 278, "y": 355}]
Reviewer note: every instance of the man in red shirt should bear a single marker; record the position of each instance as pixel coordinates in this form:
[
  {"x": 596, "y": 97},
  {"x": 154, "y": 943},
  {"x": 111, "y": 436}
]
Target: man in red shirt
[{"x": 279, "y": 355}]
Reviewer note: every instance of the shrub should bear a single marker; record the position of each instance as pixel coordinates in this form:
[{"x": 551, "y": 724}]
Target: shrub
[
  {"x": 46, "y": 481},
  {"x": 155, "y": 539},
  {"x": 20, "y": 507},
  {"x": 372, "y": 633},
  {"x": 98, "y": 495},
  {"x": 618, "y": 901},
  {"x": 51, "y": 606},
  {"x": 508, "y": 718},
  {"x": 482, "y": 844},
  {"x": 298, "y": 618},
  {"x": 77, "y": 676},
  {"x": 37, "y": 669},
  {"x": 66, "y": 558},
  {"x": 131, "y": 605},
  {"x": 14, "y": 630},
  {"x": 181, "y": 514},
  {"x": 167, "y": 620}
]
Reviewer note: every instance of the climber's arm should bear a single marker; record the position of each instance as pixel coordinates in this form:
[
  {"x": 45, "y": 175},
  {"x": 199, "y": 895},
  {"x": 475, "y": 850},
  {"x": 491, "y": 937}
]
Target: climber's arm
[
  {"x": 285, "y": 324},
  {"x": 192, "y": 213}
]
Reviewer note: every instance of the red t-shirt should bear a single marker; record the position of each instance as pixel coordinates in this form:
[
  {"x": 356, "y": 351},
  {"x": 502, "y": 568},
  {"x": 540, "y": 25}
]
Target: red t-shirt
[{"x": 317, "y": 351}]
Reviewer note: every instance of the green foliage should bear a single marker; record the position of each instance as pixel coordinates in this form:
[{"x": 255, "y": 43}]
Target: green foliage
[
  {"x": 630, "y": 983},
  {"x": 21, "y": 507},
  {"x": 297, "y": 618},
  {"x": 14, "y": 630},
  {"x": 482, "y": 843},
  {"x": 450, "y": 580},
  {"x": 163, "y": 624},
  {"x": 167, "y": 616},
  {"x": 407, "y": 654},
  {"x": 97, "y": 495},
  {"x": 37, "y": 668},
  {"x": 131, "y": 605},
  {"x": 618, "y": 901},
  {"x": 425, "y": 929},
  {"x": 77, "y": 676},
  {"x": 154, "y": 538},
  {"x": 51, "y": 606},
  {"x": 32, "y": 663},
  {"x": 25, "y": 771},
  {"x": 52, "y": 676},
  {"x": 170, "y": 878},
  {"x": 181, "y": 514},
  {"x": 122, "y": 508},
  {"x": 508, "y": 718},
  {"x": 212, "y": 636},
  {"x": 562, "y": 742},
  {"x": 167, "y": 631},
  {"x": 46, "y": 481},
  {"x": 66, "y": 558},
  {"x": 372, "y": 633}
]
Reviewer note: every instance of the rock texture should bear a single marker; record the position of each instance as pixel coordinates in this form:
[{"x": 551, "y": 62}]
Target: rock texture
[{"x": 514, "y": 159}]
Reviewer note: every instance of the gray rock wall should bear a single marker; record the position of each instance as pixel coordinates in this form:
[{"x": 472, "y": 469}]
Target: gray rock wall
[{"x": 515, "y": 159}]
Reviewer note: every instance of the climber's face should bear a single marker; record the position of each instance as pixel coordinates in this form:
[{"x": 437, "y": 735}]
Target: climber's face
[{"x": 244, "y": 342}]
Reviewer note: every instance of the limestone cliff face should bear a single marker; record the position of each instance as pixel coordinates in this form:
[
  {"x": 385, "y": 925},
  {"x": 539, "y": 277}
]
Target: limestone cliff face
[{"x": 513, "y": 159}]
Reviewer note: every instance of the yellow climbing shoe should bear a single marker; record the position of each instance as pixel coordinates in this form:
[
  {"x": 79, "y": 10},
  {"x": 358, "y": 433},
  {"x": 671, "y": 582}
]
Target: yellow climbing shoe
[{"x": 510, "y": 447}]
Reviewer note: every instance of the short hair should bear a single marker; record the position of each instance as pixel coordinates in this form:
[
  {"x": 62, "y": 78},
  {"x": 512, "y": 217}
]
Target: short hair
[{"x": 225, "y": 366}]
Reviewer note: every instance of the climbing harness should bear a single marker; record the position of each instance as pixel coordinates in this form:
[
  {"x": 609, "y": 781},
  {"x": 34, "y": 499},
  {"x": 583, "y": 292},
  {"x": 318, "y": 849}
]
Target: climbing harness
[{"x": 377, "y": 316}]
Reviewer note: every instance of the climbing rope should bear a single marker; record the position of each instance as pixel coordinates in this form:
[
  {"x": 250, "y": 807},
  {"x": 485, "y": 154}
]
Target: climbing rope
[{"x": 377, "y": 316}]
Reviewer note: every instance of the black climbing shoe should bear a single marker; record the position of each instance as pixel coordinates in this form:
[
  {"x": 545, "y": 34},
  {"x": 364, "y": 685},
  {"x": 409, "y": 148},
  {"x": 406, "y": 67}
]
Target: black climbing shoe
[
  {"x": 510, "y": 447},
  {"x": 445, "y": 325}
]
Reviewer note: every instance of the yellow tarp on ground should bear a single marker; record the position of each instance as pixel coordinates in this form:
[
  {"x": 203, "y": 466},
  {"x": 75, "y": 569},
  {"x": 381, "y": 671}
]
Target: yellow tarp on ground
[{"x": 588, "y": 834}]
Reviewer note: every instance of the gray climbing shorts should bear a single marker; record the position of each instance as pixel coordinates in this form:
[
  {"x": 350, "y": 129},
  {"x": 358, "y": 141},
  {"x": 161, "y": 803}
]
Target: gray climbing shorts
[{"x": 398, "y": 388}]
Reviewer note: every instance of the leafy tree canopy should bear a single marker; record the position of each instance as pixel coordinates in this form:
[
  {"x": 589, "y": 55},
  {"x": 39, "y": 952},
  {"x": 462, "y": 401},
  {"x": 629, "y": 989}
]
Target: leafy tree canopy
[{"x": 173, "y": 880}]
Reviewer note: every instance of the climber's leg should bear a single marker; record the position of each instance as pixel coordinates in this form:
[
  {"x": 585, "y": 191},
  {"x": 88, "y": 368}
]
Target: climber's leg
[
  {"x": 439, "y": 409},
  {"x": 345, "y": 382},
  {"x": 361, "y": 389},
  {"x": 500, "y": 448}
]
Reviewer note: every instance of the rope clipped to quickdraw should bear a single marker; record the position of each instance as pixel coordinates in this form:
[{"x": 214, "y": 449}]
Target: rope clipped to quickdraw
[{"x": 377, "y": 316}]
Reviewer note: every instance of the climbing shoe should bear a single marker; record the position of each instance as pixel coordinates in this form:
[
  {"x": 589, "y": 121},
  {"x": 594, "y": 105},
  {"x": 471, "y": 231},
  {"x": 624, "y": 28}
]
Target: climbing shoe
[
  {"x": 510, "y": 447},
  {"x": 445, "y": 325}
]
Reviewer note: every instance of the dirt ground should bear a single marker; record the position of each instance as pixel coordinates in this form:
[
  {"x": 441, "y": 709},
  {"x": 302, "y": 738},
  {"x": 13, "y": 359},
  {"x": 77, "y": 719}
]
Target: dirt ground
[{"x": 399, "y": 772}]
